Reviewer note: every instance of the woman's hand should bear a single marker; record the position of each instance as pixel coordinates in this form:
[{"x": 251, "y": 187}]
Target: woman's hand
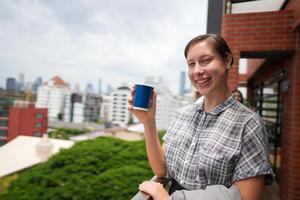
[
  {"x": 143, "y": 116},
  {"x": 156, "y": 190}
]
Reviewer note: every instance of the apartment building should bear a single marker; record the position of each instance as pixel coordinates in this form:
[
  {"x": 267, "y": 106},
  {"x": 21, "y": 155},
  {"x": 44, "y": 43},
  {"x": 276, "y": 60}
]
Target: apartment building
[
  {"x": 119, "y": 113},
  {"x": 53, "y": 95},
  {"x": 21, "y": 118}
]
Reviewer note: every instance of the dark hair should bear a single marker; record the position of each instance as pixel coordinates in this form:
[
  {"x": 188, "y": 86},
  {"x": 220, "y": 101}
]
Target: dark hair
[
  {"x": 240, "y": 93},
  {"x": 215, "y": 41}
]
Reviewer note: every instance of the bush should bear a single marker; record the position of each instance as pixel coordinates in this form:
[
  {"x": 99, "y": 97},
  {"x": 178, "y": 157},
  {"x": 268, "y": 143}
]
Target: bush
[
  {"x": 66, "y": 133},
  {"x": 105, "y": 168}
]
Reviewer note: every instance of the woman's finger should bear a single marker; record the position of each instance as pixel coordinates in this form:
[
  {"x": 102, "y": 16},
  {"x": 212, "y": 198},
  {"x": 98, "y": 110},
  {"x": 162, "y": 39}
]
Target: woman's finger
[
  {"x": 130, "y": 100},
  {"x": 132, "y": 90}
]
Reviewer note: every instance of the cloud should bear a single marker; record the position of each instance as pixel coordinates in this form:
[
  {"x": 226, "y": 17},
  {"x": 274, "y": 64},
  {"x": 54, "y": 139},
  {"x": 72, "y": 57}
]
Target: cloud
[{"x": 84, "y": 40}]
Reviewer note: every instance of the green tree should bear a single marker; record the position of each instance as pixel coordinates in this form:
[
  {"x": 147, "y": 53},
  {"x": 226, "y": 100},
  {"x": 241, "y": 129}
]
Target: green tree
[
  {"x": 66, "y": 133},
  {"x": 60, "y": 116},
  {"x": 105, "y": 168}
]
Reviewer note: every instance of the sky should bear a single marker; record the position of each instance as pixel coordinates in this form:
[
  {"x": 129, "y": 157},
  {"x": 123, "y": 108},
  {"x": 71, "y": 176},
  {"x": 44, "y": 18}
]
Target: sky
[{"x": 82, "y": 41}]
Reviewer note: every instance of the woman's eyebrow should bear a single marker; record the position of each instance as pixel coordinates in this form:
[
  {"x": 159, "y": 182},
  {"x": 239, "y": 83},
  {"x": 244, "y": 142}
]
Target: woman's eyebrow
[{"x": 201, "y": 57}]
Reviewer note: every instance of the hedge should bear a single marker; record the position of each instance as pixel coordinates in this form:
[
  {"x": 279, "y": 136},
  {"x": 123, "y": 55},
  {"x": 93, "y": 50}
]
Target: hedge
[{"x": 104, "y": 168}]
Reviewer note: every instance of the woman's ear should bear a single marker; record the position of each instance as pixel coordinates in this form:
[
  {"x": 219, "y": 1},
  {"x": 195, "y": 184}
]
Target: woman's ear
[
  {"x": 228, "y": 66},
  {"x": 229, "y": 60}
]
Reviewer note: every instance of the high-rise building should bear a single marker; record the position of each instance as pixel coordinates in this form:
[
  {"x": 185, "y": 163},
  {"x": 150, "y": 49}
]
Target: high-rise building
[
  {"x": 74, "y": 108},
  {"x": 53, "y": 95},
  {"x": 76, "y": 88},
  {"x": 21, "y": 81},
  {"x": 166, "y": 104},
  {"x": 89, "y": 88},
  {"x": 99, "y": 86},
  {"x": 105, "y": 108},
  {"x": 119, "y": 113},
  {"x": 11, "y": 84},
  {"x": 109, "y": 89},
  {"x": 182, "y": 84},
  {"x": 36, "y": 84},
  {"x": 92, "y": 107}
]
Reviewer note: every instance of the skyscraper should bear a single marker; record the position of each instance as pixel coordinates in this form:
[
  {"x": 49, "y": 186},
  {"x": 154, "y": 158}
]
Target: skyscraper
[
  {"x": 21, "y": 81},
  {"x": 36, "y": 84},
  {"x": 11, "y": 84},
  {"x": 89, "y": 88},
  {"x": 182, "y": 84},
  {"x": 99, "y": 86}
]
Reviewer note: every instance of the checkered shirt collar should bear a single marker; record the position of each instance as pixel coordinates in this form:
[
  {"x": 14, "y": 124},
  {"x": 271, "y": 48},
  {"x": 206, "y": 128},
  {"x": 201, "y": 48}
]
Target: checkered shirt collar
[{"x": 219, "y": 108}]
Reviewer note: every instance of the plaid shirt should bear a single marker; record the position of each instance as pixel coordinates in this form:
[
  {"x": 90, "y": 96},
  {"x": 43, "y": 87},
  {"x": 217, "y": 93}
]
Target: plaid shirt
[{"x": 220, "y": 147}]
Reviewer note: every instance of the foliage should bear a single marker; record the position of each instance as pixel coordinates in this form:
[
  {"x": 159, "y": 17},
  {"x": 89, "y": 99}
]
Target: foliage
[
  {"x": 66, "y": 133},
  {"x": 105, "y": 168},
  {"x": 5, "y": 181},
  {"x": 60, "y": 116}
]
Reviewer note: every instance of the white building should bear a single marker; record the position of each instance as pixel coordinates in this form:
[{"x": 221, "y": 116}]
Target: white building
[
  {"x": 53, "y": 95},
  {"x": 74, "y": 108},
  {"x": 119, "y": 113},
  {"x": 105, "y": 108},
  {"x": 166, "y": 104}
]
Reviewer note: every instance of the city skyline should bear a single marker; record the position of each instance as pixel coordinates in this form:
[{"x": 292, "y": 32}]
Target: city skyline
[
  {"x": 86, "y": 40},
  {"x": 33, "y": 85}
]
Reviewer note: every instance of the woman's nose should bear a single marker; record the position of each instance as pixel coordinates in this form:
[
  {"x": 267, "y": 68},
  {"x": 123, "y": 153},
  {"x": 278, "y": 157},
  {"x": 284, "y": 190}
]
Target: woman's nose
[{"x": 198, "y": 69}]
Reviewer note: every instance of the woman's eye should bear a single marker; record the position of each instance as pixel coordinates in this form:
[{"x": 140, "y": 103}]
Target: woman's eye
[
  {"x": 205, "y": 62},
  {"x": 191, "y": 64}
]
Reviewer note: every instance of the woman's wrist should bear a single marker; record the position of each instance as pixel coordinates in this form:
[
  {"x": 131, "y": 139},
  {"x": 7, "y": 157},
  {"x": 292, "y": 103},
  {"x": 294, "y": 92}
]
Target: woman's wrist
[{"x": 149, "y": 123}]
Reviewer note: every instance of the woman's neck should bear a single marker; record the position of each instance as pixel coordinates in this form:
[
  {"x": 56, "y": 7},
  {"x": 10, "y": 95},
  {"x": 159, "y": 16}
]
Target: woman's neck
[{"x": 213, "y": 100}]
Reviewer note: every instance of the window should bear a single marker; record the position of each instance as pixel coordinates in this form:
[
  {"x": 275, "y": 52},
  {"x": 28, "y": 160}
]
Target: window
[
  {"x": 38, "y": 124},
  {"x": 3, "y": 132},
  {"x": 2, "y": 142},
  {"x": 3, "y": 123},
  {"x": 39, "y": 115}
]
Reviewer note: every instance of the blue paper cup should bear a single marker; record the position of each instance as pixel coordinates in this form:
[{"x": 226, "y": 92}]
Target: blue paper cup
[{"x": 142, "y": 96}]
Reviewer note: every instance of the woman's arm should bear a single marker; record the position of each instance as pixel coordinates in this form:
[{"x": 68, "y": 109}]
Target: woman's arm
[
  {"x": 251, "y": 188},
  {"x": 155, "y": 151}
]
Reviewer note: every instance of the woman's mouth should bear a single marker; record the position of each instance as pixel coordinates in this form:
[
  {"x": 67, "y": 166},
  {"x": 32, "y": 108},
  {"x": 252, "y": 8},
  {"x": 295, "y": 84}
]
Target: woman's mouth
[{"x": 203, "y": 82}]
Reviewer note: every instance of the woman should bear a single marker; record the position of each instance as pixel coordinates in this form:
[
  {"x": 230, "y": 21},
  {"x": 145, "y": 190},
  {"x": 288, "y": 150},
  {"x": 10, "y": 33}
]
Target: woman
[
  {"x": 238, "y": 95},
  {"x": 216, "y": 142}
]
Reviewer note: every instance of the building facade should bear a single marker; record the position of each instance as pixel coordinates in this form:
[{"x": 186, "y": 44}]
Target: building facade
[
  {"x": 92, "y": 107},
  {"x": 269, "y": 38},
  {"x": 11, "y": 84},
  {"x": 53, "y": 95},
  {"x": 166, "y": 104},
  {"x": 22, "y": 118},
  {"x": 119, "y": 113},
  {"x": 74, "y": 108}
]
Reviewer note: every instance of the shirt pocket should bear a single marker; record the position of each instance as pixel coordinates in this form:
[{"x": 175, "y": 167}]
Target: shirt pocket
[{"x": 216, "y": 166}]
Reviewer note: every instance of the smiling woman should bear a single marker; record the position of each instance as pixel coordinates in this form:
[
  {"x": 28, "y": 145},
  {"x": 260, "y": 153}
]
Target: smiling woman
[{"x": 216, "y": 142}]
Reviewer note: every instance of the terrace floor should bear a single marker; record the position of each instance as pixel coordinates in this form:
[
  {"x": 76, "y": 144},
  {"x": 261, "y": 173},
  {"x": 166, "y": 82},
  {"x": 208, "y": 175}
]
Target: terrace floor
[{"x": 271, "y": 192}]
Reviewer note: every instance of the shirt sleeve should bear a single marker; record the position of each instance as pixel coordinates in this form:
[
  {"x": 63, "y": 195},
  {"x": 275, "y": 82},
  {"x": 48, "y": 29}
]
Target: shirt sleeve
[{"x": 253, "y": 160}]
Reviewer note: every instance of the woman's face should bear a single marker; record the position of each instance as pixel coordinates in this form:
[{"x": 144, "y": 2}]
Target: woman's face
[{"x": 206, "y": 69}]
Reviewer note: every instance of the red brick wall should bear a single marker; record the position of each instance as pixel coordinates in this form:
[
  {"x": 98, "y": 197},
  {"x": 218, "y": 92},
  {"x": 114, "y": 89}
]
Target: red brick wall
[
  {"x": 22, "y": 121},
  {"x": 274, "y": 31},
  {"x": 267, "y": 31},
  {"x": 294, "y": 5},
  {"x": 290, "y": 176}
]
